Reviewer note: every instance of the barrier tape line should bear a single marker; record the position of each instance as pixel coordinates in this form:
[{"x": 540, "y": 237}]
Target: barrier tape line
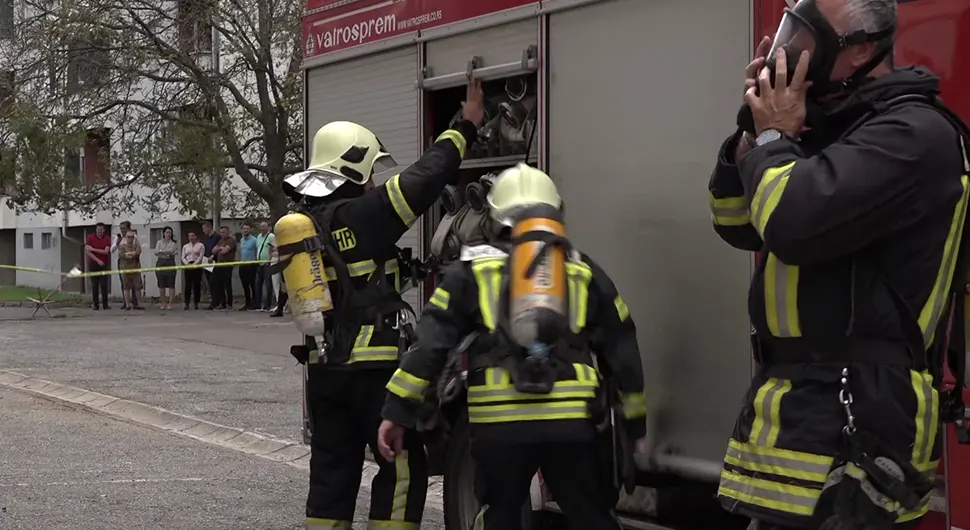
[{"x": 75, "y": 273}]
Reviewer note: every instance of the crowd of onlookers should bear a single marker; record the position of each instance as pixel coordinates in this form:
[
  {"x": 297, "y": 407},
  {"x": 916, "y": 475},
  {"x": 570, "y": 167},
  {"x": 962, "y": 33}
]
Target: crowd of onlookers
[{"x": 261, "y": 291}]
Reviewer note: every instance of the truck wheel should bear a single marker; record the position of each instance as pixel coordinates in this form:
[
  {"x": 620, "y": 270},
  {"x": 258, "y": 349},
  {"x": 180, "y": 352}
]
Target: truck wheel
[{"x": 460, "y": 505}]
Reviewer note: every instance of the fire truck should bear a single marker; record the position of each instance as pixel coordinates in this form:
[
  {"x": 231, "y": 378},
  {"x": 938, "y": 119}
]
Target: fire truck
[{"x": 624, "y": 103}]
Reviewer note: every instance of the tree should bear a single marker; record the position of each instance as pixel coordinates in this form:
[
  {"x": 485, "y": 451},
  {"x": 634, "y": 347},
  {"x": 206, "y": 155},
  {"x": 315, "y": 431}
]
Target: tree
[{"x": 117, "y": 104}]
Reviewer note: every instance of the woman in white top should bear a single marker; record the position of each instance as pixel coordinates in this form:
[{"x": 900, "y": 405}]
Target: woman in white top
[
  {"x": 165, "y": 251},
  {"x": 192, "y": 253}
]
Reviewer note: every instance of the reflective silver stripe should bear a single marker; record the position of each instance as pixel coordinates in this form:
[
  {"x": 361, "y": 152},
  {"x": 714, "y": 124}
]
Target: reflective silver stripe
[
  {"x": 747, "y": 490},
  {"x": 364, "y": 337},
  {"x": 759, "y": 215},
  {"x": 781, "y": 298},
  {"x": 406, "y": 385},
  {"x": 838, "y": 475},
  {"x": 732, "y": 213},
  {"x": 510, "y": 394},
  {"x": 757, "y": 461}
]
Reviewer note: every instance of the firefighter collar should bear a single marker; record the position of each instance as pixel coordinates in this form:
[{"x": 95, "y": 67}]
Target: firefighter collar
[{"x": 470, "y": 253}]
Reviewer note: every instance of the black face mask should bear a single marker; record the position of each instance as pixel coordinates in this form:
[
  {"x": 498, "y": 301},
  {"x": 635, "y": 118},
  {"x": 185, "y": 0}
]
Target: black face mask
[{"x": 804, "y": 28}]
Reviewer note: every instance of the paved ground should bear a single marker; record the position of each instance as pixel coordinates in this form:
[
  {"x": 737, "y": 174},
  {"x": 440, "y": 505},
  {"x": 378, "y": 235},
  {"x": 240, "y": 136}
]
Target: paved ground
[{"x": 228, "y": 368}]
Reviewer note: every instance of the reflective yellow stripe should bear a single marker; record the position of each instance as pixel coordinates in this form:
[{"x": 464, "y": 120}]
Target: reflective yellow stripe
[
  {"x": 622, "y": 310},
  {"x": 315, "y": 523},
  {"x": 363, "y": 352},
  {"x": 402, "y": 486},
  {"x": 767, "y": 412},
  {"x": 780, "y": 462},
  {"x": 768, "y": 494},
  {"x": 392, "y": 525},
  {"x": 634, "y": 405},
  {"x": 926, "y": 420},
  {"x": 400, "y": 204},
  {"x": 578, "y": 277},
  {"x": 498, "y": 387},
  {"x": 768, "y": 194},
  {"x": 559, "y": 410},
  {"x": 930, "y": 315},
  {"x": 489, "y": 281},
  {"x": 407, "y": 386},
  {"x": 440, "y": 298},
  {"x": 364, "y": 268},
  {"x": 729, "y": 211},
  {"x": 456, "y": 138},
  {"x": 781, "y": 298}
]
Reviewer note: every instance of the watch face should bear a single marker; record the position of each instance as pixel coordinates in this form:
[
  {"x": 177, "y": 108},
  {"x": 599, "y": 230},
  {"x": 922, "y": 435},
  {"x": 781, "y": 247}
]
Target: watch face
[{"x": 768, "y": 136}]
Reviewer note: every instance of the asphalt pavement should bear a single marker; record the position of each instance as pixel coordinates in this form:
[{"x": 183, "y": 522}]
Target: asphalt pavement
[{"x": 68, "y": 468}]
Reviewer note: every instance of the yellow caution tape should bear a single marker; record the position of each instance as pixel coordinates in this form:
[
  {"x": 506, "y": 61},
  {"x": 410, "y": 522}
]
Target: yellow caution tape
[{"x": 76, "y": 273}]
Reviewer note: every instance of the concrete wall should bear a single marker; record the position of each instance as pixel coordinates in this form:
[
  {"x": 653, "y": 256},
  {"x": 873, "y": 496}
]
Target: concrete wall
[
  {"x": 72, "y": 255},
  {"x": 48, "y": 259}
]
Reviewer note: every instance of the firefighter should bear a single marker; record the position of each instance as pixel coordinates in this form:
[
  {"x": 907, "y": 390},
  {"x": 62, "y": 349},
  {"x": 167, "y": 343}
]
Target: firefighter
[
  {"x": 855, "y": 201},
  {"x": 518, "y": 429},
  {"x": 359, "y": 224}
]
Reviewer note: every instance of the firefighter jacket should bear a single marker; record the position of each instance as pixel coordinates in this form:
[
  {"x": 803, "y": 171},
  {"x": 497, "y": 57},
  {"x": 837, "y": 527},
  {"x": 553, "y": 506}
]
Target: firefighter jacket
[
  {"x": 365, "y": 231},
  {"x": 468, "y": 300},
  {"x": 848, "y": 229}
]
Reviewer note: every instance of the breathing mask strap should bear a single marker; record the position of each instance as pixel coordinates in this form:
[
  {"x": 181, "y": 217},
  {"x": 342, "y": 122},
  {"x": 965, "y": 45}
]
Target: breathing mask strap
[{"x": 861, "y": 37}]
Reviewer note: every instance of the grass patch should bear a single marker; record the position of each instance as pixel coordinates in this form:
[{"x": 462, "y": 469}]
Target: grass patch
[{"x": 19, "y": 293}]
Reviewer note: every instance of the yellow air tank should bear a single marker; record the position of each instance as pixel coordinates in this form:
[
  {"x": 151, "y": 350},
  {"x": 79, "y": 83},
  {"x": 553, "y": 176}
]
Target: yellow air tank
[
  {"x": 537, "y": 283},
  {"x": 305, "y": 276}
]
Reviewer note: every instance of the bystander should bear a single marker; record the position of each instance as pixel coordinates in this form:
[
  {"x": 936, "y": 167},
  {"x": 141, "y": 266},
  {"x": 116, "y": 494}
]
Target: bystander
[
  {"x": 97, "y": 247},
  {"x": 209, "y": 241},
  {"x": 224, "y": 252},
  {"x": 265, "y": 245},
  {"x": 247, "y": 273}
]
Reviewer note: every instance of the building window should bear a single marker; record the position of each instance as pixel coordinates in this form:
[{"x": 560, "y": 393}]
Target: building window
[
  {"x": 6, "y": 19},
  {"x": 7, "y": 80},
  {"x": 72, "y": 165},
  {"x": 194, "y": 30},
  {"x": 87, "y": 65},
  {"x": 46, "y": 240},
  {"x": 97, "y": 156},
  {"x": 28, "y": 241}
]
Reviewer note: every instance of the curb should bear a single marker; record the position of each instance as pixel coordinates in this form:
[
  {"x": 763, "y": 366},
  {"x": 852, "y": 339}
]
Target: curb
[{"x": 266, "y": 447}]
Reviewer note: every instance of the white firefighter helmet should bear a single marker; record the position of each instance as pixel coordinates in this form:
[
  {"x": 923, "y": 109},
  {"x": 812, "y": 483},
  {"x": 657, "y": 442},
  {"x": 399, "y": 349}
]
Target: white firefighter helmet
[
  {"x": 522, "y": 185},
  {"x": 343, "y": 152}
]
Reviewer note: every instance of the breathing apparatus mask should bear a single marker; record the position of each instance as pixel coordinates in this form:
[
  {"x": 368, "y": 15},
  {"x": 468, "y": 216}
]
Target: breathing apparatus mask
[{"x": 804, "y": 28}]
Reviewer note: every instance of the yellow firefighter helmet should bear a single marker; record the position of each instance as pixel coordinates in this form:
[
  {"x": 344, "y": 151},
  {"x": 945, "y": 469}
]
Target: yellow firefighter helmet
[
  {"x": 518, "y": 187},
  {"x": 342, "y": 152}
]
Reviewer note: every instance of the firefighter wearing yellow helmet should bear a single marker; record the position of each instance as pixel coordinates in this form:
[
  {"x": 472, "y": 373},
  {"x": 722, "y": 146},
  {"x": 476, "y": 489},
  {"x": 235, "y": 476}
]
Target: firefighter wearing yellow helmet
[
  {"x": 556, "y": 359},
  {"x": 344, "y": 276}
]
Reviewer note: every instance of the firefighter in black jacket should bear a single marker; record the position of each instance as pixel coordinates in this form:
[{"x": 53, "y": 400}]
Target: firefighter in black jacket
[
  {"x": 514, "y": 432},
  {"x": 347, "y": 376},
  {"x": 857, "y": 215}
]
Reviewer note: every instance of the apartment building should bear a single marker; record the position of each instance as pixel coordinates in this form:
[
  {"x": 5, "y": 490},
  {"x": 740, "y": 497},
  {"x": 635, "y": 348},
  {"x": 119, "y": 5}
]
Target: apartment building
[{"x": 55, "y": 243}]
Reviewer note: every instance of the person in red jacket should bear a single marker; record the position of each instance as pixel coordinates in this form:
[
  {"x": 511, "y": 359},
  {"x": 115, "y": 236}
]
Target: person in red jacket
[{"x": 97, "y": 248}]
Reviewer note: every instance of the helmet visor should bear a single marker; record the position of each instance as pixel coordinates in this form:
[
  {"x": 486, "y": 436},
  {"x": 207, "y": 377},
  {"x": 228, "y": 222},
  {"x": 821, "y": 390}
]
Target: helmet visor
[{"x": 794, "y": 36}]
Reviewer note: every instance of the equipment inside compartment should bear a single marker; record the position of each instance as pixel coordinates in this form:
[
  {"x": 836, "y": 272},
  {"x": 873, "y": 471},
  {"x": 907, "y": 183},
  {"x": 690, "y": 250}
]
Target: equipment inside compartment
[{"x": 510, "y": 115}]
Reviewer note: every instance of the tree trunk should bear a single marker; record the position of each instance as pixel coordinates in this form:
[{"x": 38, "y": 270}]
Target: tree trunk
[{"x": 278, "y": 208}]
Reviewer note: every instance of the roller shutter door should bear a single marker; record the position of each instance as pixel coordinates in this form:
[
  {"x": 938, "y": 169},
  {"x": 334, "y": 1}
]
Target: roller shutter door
[
  {"x": 634, "y": 127},
  {"x": 378, "y": 92},
  {"x": 495, "y": 45}
]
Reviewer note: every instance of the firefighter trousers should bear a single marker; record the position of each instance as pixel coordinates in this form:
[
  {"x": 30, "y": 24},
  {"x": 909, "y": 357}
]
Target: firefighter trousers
[
  {"x": 571, "y": 470},
  {"x": 346, "y": 411}
]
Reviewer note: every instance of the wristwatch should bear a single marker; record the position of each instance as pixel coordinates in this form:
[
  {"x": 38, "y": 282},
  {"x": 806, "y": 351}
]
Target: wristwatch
[{"x": 768, "y": 136}]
